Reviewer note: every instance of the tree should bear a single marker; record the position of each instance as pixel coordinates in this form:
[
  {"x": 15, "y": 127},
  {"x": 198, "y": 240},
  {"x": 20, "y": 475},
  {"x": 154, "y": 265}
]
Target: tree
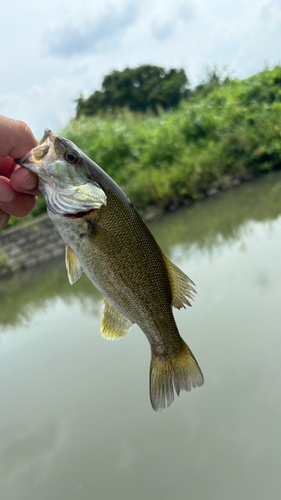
[
  {"x": 141, "y": 89},
  {"x": 214, "y": 77}
]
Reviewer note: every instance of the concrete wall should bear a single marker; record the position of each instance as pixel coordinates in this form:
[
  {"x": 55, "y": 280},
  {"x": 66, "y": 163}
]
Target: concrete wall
[
  {"x": 29, "y": 245},
  {"x": 38, "y": 241}
]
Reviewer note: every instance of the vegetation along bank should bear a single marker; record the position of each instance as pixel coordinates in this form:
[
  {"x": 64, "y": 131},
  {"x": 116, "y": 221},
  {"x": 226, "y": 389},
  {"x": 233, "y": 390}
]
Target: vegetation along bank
[{"x": 220, "y": 133}]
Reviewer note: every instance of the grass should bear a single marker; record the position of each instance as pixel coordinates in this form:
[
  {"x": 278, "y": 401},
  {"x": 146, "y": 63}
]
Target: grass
[
  {"x": 224, "y": 132},
  {"x": 3, "y": 259}
]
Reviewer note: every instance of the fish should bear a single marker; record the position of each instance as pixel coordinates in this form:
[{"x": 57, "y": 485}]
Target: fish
[{"x": 107, "y": 239}]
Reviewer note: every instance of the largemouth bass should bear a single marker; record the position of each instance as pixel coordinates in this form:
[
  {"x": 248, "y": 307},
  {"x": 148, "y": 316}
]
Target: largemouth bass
[{"x": 107, "y": 239}]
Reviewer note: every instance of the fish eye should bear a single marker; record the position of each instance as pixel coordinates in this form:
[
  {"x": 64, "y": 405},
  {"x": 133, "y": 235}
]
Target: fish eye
[{"x": 71, "y": 157}]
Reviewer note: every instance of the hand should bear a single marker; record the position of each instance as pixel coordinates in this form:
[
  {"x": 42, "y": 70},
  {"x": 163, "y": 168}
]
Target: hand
[{"x": 18, "y": 186}]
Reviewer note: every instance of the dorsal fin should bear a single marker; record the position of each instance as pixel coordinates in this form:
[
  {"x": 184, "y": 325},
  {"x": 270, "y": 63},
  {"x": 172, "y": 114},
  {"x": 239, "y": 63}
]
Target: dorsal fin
[
  {"x": 73, "y": 266},
  {"x": 114, "y": 324},
  {"x": 181, "y": 285}
]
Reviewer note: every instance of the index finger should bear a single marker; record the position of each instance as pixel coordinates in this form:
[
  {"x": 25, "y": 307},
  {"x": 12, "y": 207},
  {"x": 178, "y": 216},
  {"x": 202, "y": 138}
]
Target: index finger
[{"x": 16, "y": 138}]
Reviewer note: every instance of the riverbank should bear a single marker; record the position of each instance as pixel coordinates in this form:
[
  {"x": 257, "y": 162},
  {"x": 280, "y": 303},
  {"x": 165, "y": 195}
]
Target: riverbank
[
  {"x": 220, "y": 135},
  {"x": 224, "y": 134},
  {"x": 37, "y": 241},
  {"x": 29, "y": 245}
]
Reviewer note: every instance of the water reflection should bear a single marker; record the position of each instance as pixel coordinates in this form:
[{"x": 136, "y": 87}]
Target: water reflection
[
  {"x": 222, "y": 218},
  {"x": 28, "y": 451},
  {"x": 204, "y": 227},
  {"x": 29, "y": 291},
  {"x": 75, "y": 418}
]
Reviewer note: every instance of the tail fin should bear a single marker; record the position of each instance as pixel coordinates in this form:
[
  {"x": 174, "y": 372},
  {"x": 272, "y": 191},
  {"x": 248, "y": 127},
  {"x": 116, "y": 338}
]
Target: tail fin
[{"x": 180, "y": 373}]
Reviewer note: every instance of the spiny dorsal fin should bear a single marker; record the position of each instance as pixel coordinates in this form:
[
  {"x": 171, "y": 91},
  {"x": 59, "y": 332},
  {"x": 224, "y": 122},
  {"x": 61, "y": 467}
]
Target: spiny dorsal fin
[
  {"x": 73, "y": 266},
  {"x": 181, "y": 285},
  {"x": 114, "y": 324}
]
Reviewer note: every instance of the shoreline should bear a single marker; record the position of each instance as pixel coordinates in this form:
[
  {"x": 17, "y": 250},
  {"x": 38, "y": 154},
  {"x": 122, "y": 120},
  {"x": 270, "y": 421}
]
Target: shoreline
[
  {"x": 153, "y": 211},
  {"x": 34, "y": 243}
]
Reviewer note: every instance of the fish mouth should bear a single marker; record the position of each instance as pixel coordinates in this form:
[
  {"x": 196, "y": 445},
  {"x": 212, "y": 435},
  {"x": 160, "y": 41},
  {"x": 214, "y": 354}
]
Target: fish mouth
[
  {"x": 19, "y": 161},
  {"x": 48, "y": 134}
]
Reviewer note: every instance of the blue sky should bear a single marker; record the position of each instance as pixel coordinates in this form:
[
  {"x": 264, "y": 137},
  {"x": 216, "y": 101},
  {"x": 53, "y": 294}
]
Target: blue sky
[{"x": 50, "y": 52}]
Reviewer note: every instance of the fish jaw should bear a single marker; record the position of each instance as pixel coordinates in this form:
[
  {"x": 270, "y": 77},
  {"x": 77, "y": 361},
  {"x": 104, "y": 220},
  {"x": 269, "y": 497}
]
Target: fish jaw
[
  {"x": 47, "y": 161},
  {"x": 67, "y": 188},
  {"x": 33, "y": 160}
]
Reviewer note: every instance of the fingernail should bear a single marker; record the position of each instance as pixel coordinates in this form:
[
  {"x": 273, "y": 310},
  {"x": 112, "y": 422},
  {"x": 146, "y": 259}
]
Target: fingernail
[
  {"x": 29, "y": 183},
  {"x": 6, "y": 193}
]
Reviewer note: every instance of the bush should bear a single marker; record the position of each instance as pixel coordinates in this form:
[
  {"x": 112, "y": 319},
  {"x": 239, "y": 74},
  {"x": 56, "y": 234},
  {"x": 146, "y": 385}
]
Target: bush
[{"x": 230, "y": 130}]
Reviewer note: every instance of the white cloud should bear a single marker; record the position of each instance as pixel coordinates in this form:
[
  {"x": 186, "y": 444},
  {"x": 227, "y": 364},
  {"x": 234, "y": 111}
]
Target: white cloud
[
  {"x": 168, "y": 20},
  {"x": 51, "y": 105},
  {"x": 94, "y": 32},
  {"x": 49, "y": 55}
]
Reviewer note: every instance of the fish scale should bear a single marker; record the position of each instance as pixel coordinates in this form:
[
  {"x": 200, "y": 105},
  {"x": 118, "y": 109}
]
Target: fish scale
[{"x": 108, "y": 240}]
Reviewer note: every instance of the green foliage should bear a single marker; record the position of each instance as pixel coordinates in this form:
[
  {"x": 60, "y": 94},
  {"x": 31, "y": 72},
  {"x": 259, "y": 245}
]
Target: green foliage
[
  {"x": 214, "y": 77},
  {"x": 3, "y": 259},
  {"x": 141, "y": 89},
  {"x": 230, "y": 131}
]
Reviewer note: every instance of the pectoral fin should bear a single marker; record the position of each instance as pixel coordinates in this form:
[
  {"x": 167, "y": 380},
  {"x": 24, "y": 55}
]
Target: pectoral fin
[
  {"x": 73, "y": 266},
  {"x": 114, "y": 324},
  {"x": 181, "y": 285}
]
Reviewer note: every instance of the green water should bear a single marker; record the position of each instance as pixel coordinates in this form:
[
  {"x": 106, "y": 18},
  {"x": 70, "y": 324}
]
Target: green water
[{"x": 75, "y": 416}]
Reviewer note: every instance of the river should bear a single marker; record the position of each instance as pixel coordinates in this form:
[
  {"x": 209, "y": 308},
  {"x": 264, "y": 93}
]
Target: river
[{"x": 75, "y": 416}]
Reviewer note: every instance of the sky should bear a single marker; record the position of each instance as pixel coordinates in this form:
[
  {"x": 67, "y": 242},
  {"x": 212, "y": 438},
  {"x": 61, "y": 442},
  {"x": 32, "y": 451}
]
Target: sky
[{"x": 51, "y": 52}]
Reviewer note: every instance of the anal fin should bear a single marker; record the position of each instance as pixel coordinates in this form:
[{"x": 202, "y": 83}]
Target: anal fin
[
  {"x": 114, "y": 324},
  {"x": 181, "y": 285},
  {"x": 73, "y": 266}
]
